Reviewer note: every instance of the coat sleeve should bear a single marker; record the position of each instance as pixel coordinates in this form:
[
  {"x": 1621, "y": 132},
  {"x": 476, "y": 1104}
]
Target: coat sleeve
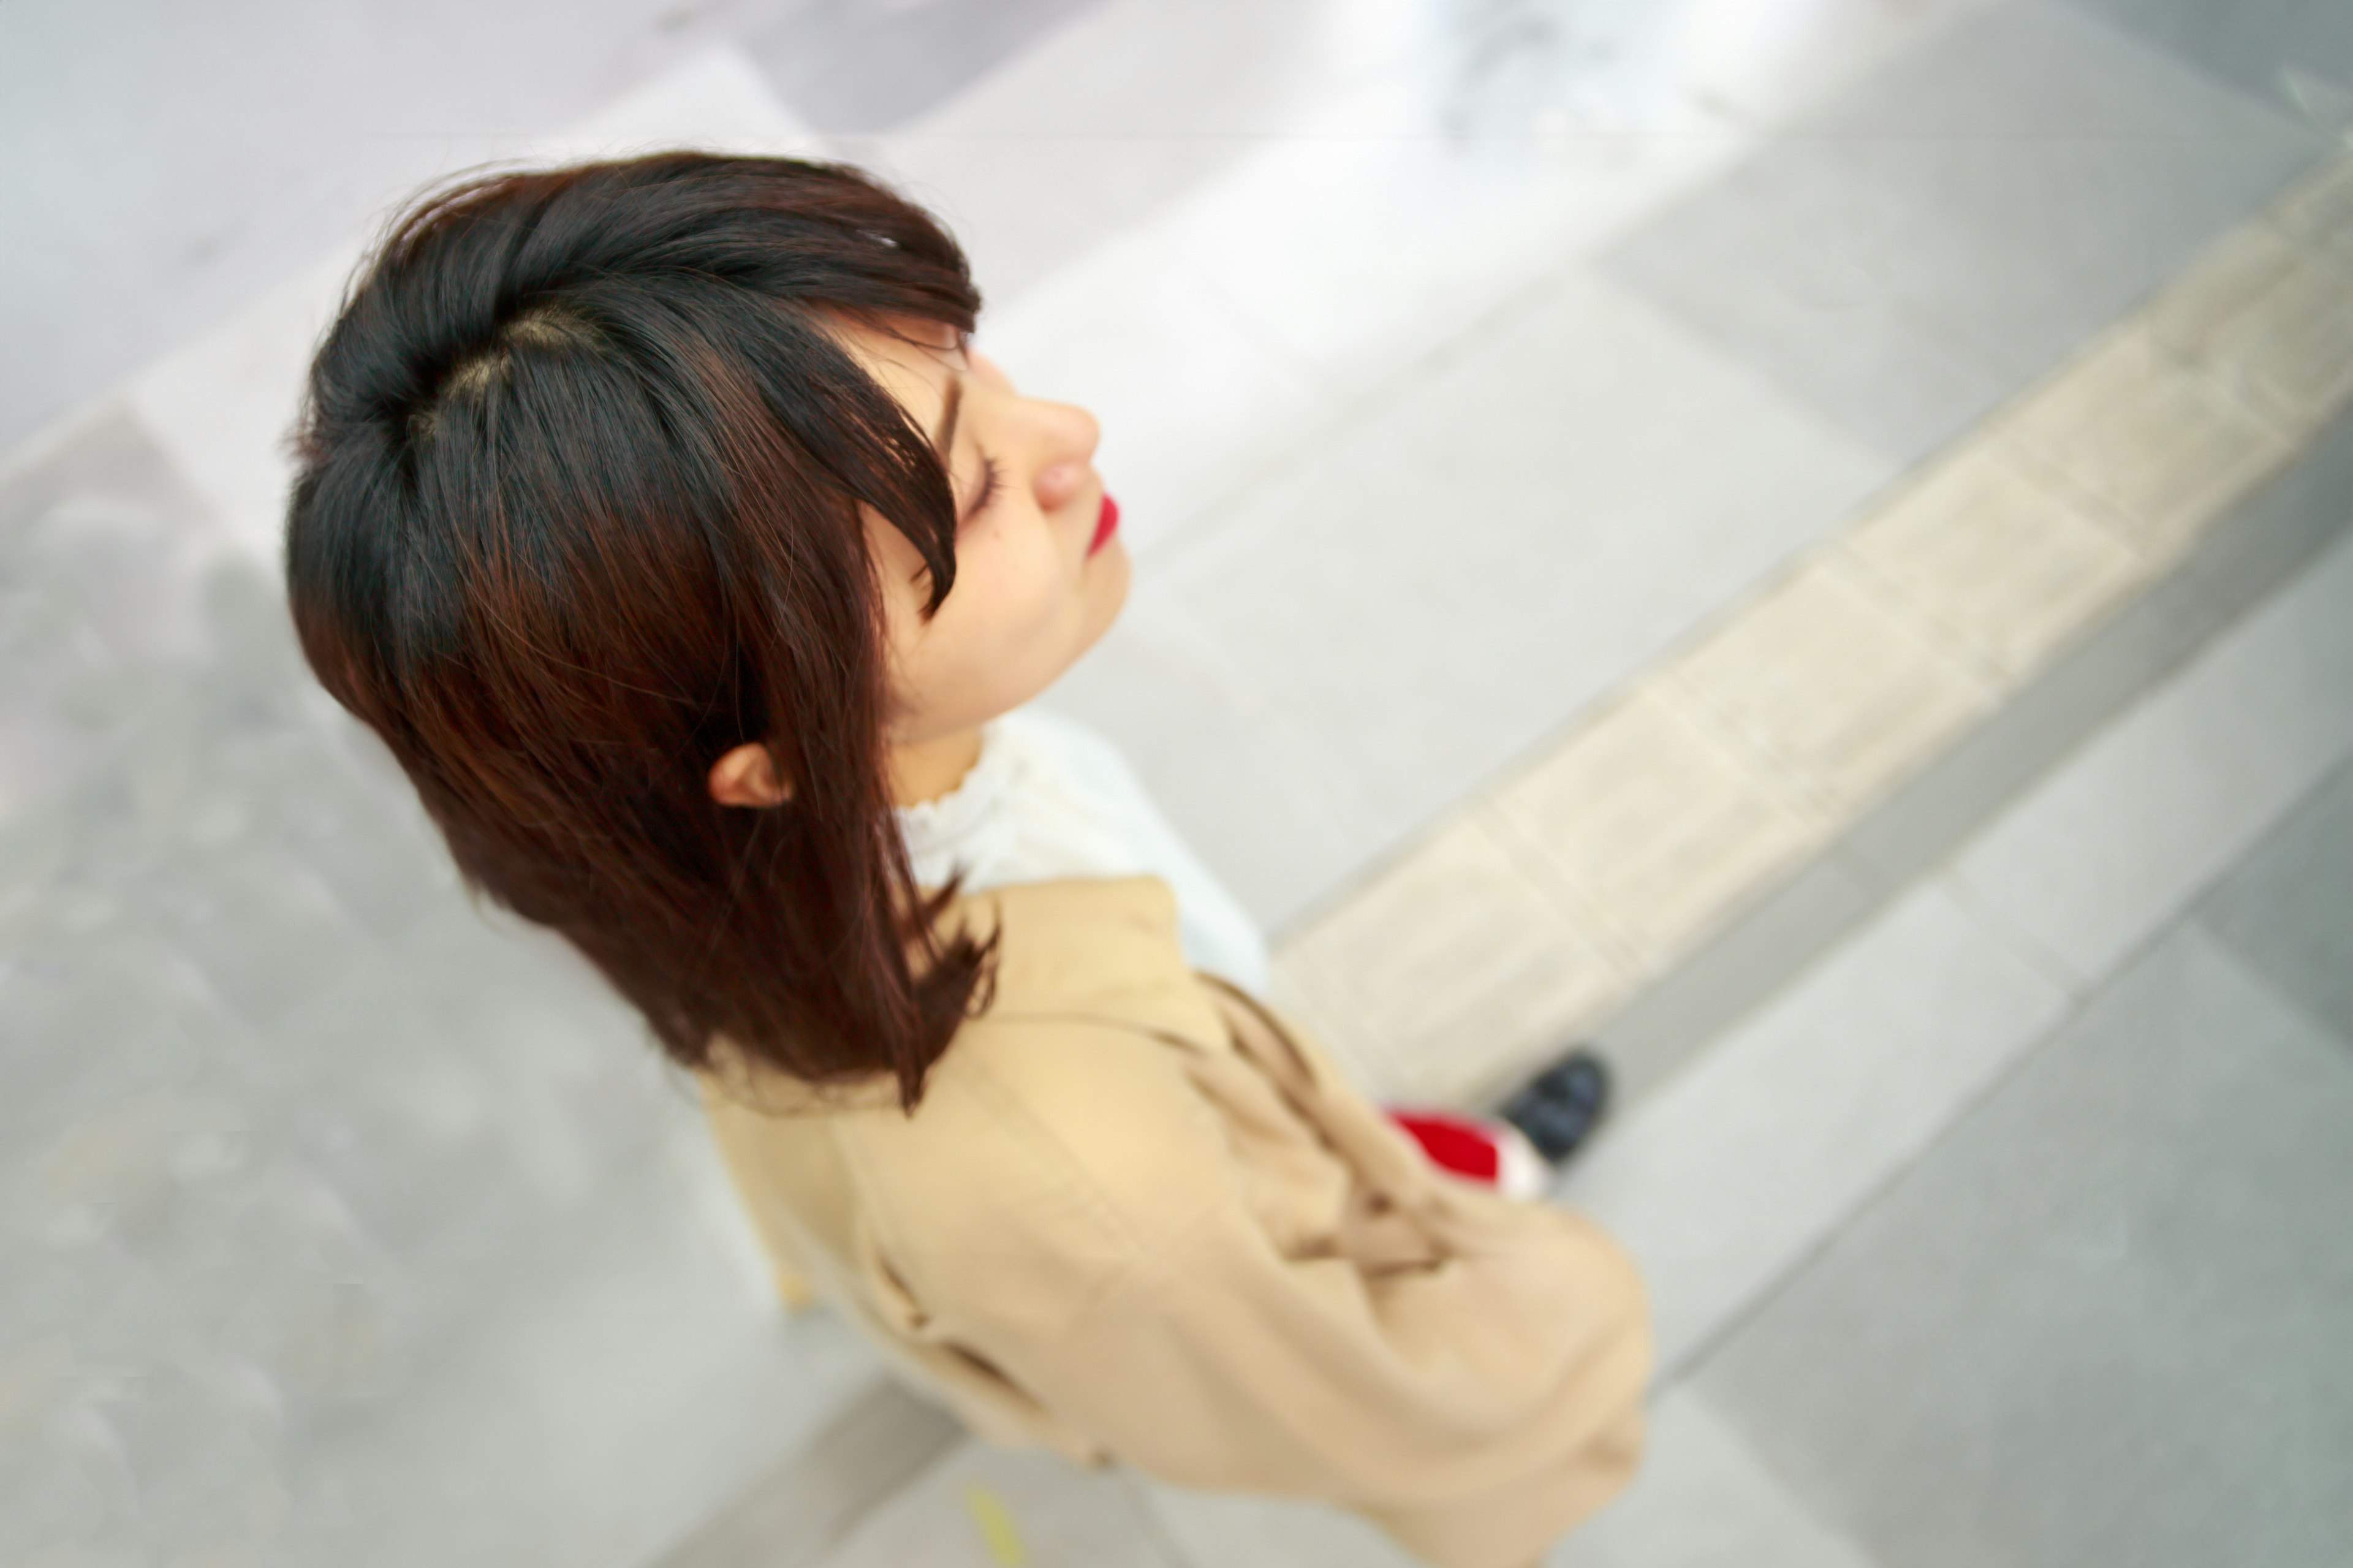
[{"x": 1475, "y": 1402}]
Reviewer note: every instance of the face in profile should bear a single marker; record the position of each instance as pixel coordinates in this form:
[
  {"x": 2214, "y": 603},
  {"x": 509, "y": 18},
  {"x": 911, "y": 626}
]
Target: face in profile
[{"x": 1040, "y": 569}]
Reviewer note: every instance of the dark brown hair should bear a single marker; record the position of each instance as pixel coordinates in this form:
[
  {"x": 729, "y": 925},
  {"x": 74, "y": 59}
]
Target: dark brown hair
[{"x": 578, "y": 513}]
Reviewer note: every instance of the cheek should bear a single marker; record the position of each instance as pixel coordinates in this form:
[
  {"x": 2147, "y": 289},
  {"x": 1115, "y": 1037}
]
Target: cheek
[{"x": 1001, "y": 637}]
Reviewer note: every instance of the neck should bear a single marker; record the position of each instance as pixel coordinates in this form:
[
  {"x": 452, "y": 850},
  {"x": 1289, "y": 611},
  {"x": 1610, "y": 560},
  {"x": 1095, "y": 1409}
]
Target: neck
[{"x": 926, "y": 770}]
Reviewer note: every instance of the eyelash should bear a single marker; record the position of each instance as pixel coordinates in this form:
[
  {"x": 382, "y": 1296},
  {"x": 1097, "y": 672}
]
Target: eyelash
[{"x": 991, "y": 481}]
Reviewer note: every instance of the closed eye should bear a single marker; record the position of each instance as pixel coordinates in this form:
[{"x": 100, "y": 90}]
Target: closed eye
[{"x": 992, "y": 481}]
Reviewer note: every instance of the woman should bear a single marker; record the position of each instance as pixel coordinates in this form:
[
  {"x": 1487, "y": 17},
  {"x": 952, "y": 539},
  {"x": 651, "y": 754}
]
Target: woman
[{"x": 658, "y": 516}]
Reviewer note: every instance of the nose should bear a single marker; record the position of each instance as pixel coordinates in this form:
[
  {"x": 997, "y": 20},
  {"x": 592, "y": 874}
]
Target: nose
[{"x": 1068, "y": 437}]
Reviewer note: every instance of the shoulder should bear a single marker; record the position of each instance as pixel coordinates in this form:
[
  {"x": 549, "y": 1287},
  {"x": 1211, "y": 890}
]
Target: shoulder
[
  {"x": 1049, "y": 1157},
  {"x": 1102, "y": 948}
]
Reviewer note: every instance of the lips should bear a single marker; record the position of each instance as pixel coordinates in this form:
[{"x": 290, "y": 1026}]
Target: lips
[{"x": 1106, "y": 524}]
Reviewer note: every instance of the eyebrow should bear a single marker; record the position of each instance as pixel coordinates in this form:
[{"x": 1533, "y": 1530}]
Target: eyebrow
[{"x": 952, "y": 406}]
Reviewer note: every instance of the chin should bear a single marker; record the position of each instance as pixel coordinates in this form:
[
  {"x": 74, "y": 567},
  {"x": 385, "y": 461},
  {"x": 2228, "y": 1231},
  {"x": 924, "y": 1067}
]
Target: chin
[
  {"x": 1106, "y": 594},
  {"x": 1112, "y": 573}
]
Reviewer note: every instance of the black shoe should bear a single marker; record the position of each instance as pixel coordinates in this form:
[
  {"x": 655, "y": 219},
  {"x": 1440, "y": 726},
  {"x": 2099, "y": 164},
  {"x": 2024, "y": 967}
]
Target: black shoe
[{"x": 1560, "y": 1107}]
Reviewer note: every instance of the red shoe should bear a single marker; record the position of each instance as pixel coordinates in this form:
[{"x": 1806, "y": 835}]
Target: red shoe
[{"x": 1495, "y": 1154}]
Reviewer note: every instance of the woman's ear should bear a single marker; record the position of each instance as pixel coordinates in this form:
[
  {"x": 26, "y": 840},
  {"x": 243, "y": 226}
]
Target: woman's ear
[{"x": 747, "y": 776}]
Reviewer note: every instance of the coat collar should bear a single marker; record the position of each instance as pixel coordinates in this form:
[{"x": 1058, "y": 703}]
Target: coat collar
[{"x": 1103, "y": 949}]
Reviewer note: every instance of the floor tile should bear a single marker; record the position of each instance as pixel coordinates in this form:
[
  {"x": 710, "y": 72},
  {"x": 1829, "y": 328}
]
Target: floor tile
[
  {"x": 1728, "y": 1177},
  {"x": 240, "y": 1316},
  {"x": 2036, "y": 727},
  {"x": 2290, "y": 52},
  {"x": 2008, "y": 569},
  {"x": 2266, "y": 541},
  {"x": 1278, "y": 823},
  {"x": 1652, "y": 822},
  {"x": 2287, "y": 908},
  {"x": 2103, "y": 1321},
  {"x": 1773, "y": 62},
  {"x": 714, "y": 98},
  {"x": 1426, "y": 596},
  {"x": 104, "y": 546},
  {"x": 630, "y": 1349},
  {"x": 1703, "y": 1499},
  {"x": 1375, "y": 233},
  {"x": 190, "y": 162},
  {"x": 2152, "y": 442},
  {"x": 358, "y": 829},
  {"x": 2290, "y": 352},
  {"x": 1983, "y": 207},
  {"x": 789, "y": 1518},
  {"x": 264, "y": 928},
  {"x": 1227, "y": 1530},
  {"x": 2105, "y": 851},
  {"x": 1116, "y": 115},
  {"x": 1023, "y": 207},
  {"x": 2285, "y": 526},
  {"x": 851, "y": 68},
  {"x": 139, "y": 992},
  {"x": 2227, "y": 278},
  {"x": 1451, "y": 970},
  {"x": 1677, "y": 1015},
  {"x": 1846, "y": 691},
  {"x": 1193, "y": 406},
  {"x": 2268, "y": 312},
  {"x": 1789, "y": 266},
  {"x": 1511, "y": 140},
  {"x": 2317, "y": 211},
  {"x": 984, "y": 1507},
  {"x": 2029, "y": 108}
]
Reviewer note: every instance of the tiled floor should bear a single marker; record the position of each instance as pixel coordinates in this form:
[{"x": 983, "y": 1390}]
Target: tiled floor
[
  {"x": 2104, "y": 1321},
  {"x": 1911, "y": 252},
  {"x": 2295, "y": 53},
  {"x": 2102, "y": 1318},
  {"x": 322, "y": 1198},
  {"x": 1888, "y": 660},
  {"x": 1458, "y": 364},
  {"x": 2193, "y": 779},
  {"x": 2047, "y": 1268}
]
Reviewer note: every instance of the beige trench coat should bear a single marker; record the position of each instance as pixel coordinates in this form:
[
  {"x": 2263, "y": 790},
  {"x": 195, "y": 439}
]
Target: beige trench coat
[{"x": 1138, "y": 1218}]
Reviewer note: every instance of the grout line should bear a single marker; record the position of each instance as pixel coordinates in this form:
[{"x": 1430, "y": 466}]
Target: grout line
[
  {"x": 2336, "y": 773},
  {"x": 2084, "y": 993},
  {"x": 1795, "y": 1496},
  {"x": 2022, "y": 944},
  {"x": 1687, "y": 1367},
  {"x": 1537, "y": 867},
  {"x": 1156, "y": 1529},
  {"x": 798, "y": 1514},
  {"x": 2286, "y": 999}
]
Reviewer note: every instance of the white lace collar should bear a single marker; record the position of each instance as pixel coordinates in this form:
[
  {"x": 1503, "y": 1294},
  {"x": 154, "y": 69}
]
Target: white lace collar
[
  {"x": 1016, "y": 816},
  {"x": 956, "y": 825}
]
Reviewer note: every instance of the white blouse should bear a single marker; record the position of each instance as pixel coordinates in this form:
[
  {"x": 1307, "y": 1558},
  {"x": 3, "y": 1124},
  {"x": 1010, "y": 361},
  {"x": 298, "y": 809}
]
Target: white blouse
[{"x": 1050, "y": 798}]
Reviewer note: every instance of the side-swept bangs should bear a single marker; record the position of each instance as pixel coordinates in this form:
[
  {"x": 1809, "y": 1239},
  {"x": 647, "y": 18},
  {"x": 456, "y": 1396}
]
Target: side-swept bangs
[{"x": 578, "y": 511}]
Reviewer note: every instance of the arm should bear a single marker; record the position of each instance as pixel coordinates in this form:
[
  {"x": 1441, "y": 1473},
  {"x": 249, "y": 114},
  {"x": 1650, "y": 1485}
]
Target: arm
[{"x": 1476, "y": 1393}]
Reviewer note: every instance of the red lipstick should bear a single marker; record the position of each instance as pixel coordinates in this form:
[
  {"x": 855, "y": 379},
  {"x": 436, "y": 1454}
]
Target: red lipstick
[{"x": 1106, "y": 523}]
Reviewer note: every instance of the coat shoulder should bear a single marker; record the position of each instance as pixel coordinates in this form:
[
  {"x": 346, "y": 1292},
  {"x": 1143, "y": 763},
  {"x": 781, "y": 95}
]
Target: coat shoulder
[{"x": 1076, "y": 1137}]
